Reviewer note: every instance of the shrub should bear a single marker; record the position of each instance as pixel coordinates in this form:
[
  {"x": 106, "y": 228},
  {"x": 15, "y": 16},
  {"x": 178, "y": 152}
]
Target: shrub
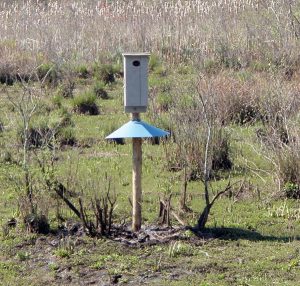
[
  {"x": 234, "y": 101},
  {"x": 108, "y": 129},
  {"x": 244, "y": 113},
  {"x": 118, "y": 70},
  {"x": 39, "y": 134},
  {"x": 211, "y": 66},
  {"x": 221, "y": 151},
  {"x": 292, "y": 190},
  {"x": 44, "y": 130},
  {"x": 6, "y": 157},
  {"x": 66, "y": 88},
  {"x": 22, "y": 256},
  {"x": 154, "y": 62},
  {"x": 62, "y": 252},
  {"x": 289, "y": 171},
  {"x": 37, "y": 223},
  {"x": 6, "y": 78},
  {"x": 163, "y": 101},
  {"x": 99, "y": 90},
  {"x": 82, "y": 71},
  {"x": 105, "y": 73},
  {"x": 60, "y": 118},
  {"x": 219, "y": 155},
  {"x": 57, "y": 100},
  {"x": 190, "y": 150},
  {"x": 48, "y": 73},
  {"x": 85, "y": 104},
  {"x": 66, "y": 136},
  {"x": 193, "y": 120}
]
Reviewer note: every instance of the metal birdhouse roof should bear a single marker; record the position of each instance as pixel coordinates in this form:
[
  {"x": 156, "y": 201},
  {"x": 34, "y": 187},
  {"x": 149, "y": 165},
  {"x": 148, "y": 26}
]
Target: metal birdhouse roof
[{"x": 137, "y": 129}]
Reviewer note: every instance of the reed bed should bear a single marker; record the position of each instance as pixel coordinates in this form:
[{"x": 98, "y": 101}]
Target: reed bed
[{"x": 226, "y": 30}]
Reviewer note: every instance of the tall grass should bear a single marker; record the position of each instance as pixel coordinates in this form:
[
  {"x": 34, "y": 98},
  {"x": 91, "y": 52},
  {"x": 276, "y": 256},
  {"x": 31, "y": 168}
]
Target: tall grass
[{"x": 233, "y": 32}]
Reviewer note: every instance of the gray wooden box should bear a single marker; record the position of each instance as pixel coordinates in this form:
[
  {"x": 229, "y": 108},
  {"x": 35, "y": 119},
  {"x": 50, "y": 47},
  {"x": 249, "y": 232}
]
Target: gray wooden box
[{"x": 136, "y": 82}]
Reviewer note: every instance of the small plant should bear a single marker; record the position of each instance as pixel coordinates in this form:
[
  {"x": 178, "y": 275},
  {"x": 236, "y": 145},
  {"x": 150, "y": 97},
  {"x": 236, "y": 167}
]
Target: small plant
[
  {"x": 98, "y": 265},
  {"x": 53, "y": 266},
  {"x": 103, "y": 208},
  {"x": 62, "y": 252},
  {"x": 44, "y": 130},
  {"x": 180, "y": 249},
  {"x": 99, "y": 90},
  {"x": 22, "y": 256},
  {"x": 85, "y": 104},
  {"x": 284, "y": 210}
]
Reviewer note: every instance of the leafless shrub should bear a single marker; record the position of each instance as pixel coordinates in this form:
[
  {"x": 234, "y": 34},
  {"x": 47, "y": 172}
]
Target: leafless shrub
[
  {"x": 286, "y": 160},
  {"x": 278, "y": 108},
  {"x": 100, "y": 223},
  {"x": 36, "y": 223},
  {"x": 97, "y": 216},
  {"x": 188, "y": 120},
  {"x": 280, "y": 138}
]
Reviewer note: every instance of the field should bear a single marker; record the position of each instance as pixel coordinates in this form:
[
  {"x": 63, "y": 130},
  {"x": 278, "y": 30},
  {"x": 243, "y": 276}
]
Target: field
[{"x": 224, "y": 79}]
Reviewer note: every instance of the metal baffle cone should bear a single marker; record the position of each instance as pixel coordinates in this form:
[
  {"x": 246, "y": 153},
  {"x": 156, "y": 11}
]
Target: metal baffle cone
[{"x": 137, "y": 129}]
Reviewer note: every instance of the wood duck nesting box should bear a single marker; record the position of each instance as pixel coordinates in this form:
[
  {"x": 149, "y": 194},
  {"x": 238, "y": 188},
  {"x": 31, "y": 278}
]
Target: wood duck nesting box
[{"x": 136, "y": 82}]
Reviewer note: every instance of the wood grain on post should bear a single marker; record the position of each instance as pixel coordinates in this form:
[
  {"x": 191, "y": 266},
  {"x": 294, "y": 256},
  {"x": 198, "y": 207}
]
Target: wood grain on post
[{"x": 136, "y": 180}]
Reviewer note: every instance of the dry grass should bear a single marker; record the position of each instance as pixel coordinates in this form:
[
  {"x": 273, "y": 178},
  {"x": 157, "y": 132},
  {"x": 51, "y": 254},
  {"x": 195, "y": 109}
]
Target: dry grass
[{"x": 233, "y": 32}]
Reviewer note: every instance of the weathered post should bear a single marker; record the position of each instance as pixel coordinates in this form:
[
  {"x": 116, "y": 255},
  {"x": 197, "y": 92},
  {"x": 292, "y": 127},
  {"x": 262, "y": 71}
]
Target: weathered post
[{"x": 136, "y": 180}]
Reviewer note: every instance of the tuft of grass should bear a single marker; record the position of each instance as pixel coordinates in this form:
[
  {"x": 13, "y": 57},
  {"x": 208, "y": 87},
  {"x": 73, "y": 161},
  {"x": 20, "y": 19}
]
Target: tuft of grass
[
  {"x": 104, "y": 73},
  {"x": 48, "y": 73},
  {"x": 53, "y": 266},
  {"x": 22, "y": 256},
  {"x": 66, "y": 136},
  {"x": 99, "y": 90},
  {"x": 85, "y": 103},
  {"x": 154, "y": 62},
  {"x": 62, "y": 252},
  {"x": 82, "y": 71},
  {"x": 66, "y": 88},
  {"x": 57, "y": 100}
]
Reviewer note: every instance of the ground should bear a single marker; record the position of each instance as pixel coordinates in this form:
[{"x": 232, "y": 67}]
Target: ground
[{"x": 252, "y": 235}]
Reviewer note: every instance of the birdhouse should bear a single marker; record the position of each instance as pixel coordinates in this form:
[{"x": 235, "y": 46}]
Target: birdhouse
[{"x": 136, "y": 82}]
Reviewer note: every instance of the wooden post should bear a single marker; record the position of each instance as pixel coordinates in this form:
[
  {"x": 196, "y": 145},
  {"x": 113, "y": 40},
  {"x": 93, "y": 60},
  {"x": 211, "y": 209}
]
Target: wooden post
[{"x": 136, "y": 180}]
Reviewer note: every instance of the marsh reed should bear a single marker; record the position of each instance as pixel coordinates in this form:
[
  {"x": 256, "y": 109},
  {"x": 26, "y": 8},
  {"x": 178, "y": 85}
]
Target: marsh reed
[{"x": 238, "y": 30}]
